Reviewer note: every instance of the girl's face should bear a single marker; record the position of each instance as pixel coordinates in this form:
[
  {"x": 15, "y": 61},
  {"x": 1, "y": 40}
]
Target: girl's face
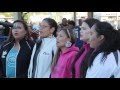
[
  {"x": 45, "y": 29},
  {"x": 61, "y": 39},
  {"x": 95, "y": 39},
  {"x": 18, "y": 30},
  {"x": 84, "y": 33}
]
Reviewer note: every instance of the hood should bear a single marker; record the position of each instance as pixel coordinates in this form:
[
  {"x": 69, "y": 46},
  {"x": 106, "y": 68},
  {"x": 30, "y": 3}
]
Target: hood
[{"x": 71, "y": 49}]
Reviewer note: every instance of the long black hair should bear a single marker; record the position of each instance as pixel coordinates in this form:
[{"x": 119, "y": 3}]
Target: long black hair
[
  {"x": 90, "y": 22},
  {"x": 110, "y": 44}
]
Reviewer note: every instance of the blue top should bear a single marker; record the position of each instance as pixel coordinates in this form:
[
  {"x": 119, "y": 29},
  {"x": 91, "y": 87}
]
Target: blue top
[
  {"x": 78, "y": 42},
  {"x": 11, "y": 63}
]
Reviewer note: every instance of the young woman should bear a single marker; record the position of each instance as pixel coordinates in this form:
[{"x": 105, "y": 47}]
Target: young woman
[
  {"x": 84, "y": 35},
  {"x": 105, "y": 60},
  {"x": 15, "y": 53},
  {"x": 44, "y": 49},
  {"x": 65, "y": 55}
]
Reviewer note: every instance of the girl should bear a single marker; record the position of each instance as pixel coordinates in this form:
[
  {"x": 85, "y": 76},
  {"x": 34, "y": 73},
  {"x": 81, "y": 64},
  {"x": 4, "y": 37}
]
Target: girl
[
  {"x": 105, "y": 60},
  {"x": 15, "y": 53},
  {"x": 84, "y": 35},
  {"x": 44, "y": 49},
  {"x": 65, "y": 55}
]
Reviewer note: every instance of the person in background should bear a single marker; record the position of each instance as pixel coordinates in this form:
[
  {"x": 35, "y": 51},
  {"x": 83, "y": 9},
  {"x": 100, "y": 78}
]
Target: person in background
[
  {"x": 64, "y": 23},
  {"x": 71, "y": 24},
  {"x": 34, "y": 35},
  {"x": 44, "y": 50},
  {"x": 84, "y": 35},
  {"x": 76, "y": 31},
  {"x": 65, "y": 55},
  {"x": 15, "y": 52}
]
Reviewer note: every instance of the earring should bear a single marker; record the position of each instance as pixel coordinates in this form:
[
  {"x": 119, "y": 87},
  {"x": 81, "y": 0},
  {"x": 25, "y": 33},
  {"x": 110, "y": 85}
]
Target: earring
[{"x": 68, "y": 44}]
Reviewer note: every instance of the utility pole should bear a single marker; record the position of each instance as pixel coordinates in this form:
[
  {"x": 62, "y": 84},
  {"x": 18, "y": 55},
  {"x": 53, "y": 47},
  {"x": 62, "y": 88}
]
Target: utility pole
[
  {"x": 17, "y": 15},
  {"x": 75, "y": 19},
  {"x": 90, "y": 14}
]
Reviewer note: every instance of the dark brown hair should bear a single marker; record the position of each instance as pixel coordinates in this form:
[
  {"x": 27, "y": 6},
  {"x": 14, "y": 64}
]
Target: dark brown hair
[{"x": 27, "y": 36}]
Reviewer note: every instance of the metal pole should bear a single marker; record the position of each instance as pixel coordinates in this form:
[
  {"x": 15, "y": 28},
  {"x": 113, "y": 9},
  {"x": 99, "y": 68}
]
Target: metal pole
[
  {"x": 75, "y": 19},
  {"x": 90, "y": 14},
  {"x": 17, "y": 15}
]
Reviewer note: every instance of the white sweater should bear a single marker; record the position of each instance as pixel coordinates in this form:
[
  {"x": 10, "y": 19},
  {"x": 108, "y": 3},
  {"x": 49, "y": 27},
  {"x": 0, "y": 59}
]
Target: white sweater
[
  {"x": 104, "y": 69},
  {"x": 44, "y": 59}
]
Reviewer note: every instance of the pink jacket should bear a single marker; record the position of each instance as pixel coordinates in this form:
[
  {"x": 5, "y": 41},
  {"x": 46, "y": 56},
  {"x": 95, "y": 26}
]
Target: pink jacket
[
  {"x": 78, "y": 62},
  {"x": 63, "y": 66}
]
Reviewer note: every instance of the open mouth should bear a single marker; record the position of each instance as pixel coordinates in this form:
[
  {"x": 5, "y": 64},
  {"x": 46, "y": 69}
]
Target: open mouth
[{"x": 16, "y": 34}]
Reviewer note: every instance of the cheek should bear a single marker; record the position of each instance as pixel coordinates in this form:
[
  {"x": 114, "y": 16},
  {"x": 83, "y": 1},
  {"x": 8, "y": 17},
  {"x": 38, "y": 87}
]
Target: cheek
[
  {"x": 62, "y": 41},
  {"x": 93, "y": 41},
  {"x": 46, "y": 32},
  {"x": 22, "y": 32},
  {"x": 85, "y": 36}
]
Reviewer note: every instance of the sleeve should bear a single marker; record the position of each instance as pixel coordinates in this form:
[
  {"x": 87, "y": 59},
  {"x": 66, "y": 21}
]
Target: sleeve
[
  {"x": 1, "y": 67},
  {"x": 69, "y": 63},
  {"x": 117, "y": 71}
]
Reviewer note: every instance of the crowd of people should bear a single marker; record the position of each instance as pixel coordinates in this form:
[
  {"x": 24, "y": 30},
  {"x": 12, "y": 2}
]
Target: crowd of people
[{"x": 90, "y": 50}]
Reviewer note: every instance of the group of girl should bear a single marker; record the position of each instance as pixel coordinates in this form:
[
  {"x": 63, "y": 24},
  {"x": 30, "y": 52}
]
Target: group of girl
[{"x": 54, "y": 55}]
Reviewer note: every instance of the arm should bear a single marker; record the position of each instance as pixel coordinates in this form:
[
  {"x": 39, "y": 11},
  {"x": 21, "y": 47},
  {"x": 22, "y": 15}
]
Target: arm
[{"x": 1, "y": 67}]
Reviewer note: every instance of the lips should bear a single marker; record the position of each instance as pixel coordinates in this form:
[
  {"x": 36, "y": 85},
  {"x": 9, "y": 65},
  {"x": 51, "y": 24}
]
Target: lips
[
  {"x": 81, "y": 35},
  {"x": 57, "y": 42},
  {"x": 16, "y": 34}
]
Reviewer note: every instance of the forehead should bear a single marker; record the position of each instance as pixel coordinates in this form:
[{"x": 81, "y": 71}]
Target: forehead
[
  {"x": 62, "y": 32},
  {"x": 84, "y": 24},
  {"x": 64, "y": 19},
  {"x": 18, "y": 24},
  {"x": 44, "y": 22}
]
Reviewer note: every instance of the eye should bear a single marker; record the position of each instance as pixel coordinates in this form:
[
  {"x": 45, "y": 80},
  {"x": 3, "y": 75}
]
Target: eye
[{"x": 16, "y": 27}]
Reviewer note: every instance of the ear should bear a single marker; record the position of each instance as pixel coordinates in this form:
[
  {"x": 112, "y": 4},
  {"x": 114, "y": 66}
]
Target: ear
[
  {"x": 101, "y": 37},
  {"x": 68, "y": 39},
  {"x": 52, "y": 30}
]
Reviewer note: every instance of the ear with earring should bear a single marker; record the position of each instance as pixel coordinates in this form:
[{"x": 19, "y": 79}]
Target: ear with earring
[{"x": 68, "y": 44}]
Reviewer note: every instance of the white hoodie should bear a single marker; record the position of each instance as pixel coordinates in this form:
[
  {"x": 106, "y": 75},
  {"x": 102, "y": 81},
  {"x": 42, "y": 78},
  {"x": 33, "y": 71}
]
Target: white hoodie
[
  {"x": 104, "y": 69},
  {"x": 44, "y": 59}
]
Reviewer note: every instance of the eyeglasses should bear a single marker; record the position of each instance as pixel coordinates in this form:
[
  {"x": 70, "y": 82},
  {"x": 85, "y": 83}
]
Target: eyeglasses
[
  {"x": 16, "y": 27},
  {"x": 42, "y": 27}
]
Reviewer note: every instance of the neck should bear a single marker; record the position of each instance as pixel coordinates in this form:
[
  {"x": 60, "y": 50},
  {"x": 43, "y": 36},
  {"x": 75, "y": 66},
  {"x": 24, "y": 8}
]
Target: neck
[
  {"x": 63, "y": 49},
  {"x": 17, "y": 40},
  {"x": 17, "y": 46}
]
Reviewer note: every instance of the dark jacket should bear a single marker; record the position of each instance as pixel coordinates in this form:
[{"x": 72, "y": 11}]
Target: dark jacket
[{"x": 23, "y": 58}]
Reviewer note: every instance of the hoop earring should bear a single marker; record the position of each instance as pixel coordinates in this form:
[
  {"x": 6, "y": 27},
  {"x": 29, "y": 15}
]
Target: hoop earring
[{"x": 68, "y": 44}]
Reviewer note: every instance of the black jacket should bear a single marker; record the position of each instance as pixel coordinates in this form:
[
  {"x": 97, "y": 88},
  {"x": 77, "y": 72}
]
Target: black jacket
[{"x": 23, "y": 58}]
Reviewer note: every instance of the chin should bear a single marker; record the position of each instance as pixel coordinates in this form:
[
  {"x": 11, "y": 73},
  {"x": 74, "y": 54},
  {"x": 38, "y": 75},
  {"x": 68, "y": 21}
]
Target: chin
[{"x": 58, "y": 46}]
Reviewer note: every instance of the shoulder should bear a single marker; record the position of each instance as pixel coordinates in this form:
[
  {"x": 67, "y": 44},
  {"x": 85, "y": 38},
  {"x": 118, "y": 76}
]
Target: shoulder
[
  {"x": 109, "y": 59},
  {"x": 31, "y": 43},
  {"x": 5, "y": 44}
]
